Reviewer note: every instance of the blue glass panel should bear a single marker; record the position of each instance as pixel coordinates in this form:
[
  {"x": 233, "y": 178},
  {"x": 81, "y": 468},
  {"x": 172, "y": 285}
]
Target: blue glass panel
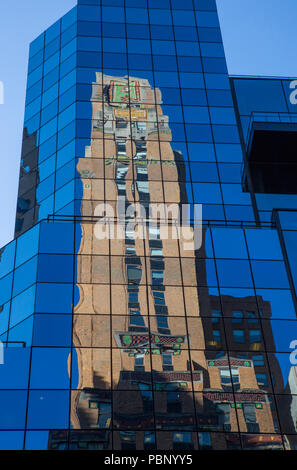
[
  {"x": 67, "y": 98},
  {"x": 36, "y": 45},
  {"x": 184, "y": 48},
  {"x": 234, "y": 273},
  {"x": 48, "y": 409},
  {"x": 27, "y": 245},
  {"x": 51, "y": 63},
  {"x": 34, "y": 77},
  {"x": 22, "y": 306},
  {"x": 68, "y": 65},
  {"x": 233, "y": 194},
  {"x": 270, "y": 274},
  {"x": 69, "y": 34},
  {"x": 89, "y": 13},
  {"x": 47, "y": 131},
  {"x": 50, "y": 79},
  {"x": 49, "y": 368},
  {"x": 52, "y": 48},
  {"x": 4, "y": 317},
  {"x": 7, "y": 258},
  {"x": 25, "y": 276},
  {"x": 191, "y": 80},
  {"x": 68, "y": 49},
  {"x": 66, "y": 135},
  {"x": 207, "y": 18},
  {"x": 49, "y": 112},
  {"x": 22, "y": 333},
  {"x": 196, "y": 114},
  {"x": 50, "y": 95},
  {"x": 136, "y": 15},
  {"x": 263, "y": 244},
  {"x": 113, "y": 30},
  {"x": 55, "y": 268},
  {"x": 66, "y": 154},
  {"x": 137, "y": 31},
  {"x": 260, "y": 95},
  {"x": 15, "y": 370},
  {"x": 5, "y": 288},
  {"x": 185, "y": 33},
  {"x": 56, "y": 237},
  {"x": 66, "y": 117},
  {"x": 67, "y": 82},
  {"x": 201, "y": 152},
  {"x": 183, "y": 18},
  {"x": 35, "y": 61},
  {"x": 11, "y": 440},
  {"x": 34, "y": 92},
  {"x": 12, "y": 409},
  {"x": 52, "y": 330},
  {"x": 207, "y": 193},
  {"x": 229, "y": 243},
  {"x": 209, "y": 34},
  {"x": 52, "y": 32},
  {"x": 37, "y": 440},
  {"x": 89, "y": 44},
  {"x": 69, "y": 19},
  {"x": 54, "y": 298},
  {"x": 64, "y": 196},
  {"x": 228, "y": 153},
  {"x": 46, "y": 208},
  {"x": 161, "y": 17},
  {"x": 65, "y": 174},
  {"x": 198, "y": 133}
]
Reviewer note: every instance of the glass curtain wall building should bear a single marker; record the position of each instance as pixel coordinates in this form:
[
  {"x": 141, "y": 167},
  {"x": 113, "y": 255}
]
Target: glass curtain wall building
[{"x": 138, "y": 343}]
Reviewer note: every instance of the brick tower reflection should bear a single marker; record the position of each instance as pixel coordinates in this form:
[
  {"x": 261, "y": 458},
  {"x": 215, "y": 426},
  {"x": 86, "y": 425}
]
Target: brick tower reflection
[{"x": 144, "y": 375}]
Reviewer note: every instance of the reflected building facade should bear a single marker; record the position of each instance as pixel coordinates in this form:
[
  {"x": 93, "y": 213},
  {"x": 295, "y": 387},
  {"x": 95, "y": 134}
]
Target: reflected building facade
[{"x": 149, "y": 345}]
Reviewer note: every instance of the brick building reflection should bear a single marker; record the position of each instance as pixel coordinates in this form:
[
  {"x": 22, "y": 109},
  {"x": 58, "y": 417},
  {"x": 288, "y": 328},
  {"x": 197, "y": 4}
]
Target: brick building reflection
[{"x": 151, "y": 373}]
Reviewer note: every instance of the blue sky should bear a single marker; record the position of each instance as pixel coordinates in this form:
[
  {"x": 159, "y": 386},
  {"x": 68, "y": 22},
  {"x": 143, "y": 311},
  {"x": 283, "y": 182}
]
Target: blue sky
[{"x": 260, "y": 39}]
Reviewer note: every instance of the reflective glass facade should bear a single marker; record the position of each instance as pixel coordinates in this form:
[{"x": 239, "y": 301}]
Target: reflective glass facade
[{"x": 139, "y": 343}]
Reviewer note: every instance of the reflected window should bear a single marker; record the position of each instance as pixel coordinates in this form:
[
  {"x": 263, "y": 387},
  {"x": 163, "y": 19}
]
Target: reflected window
[
  {"x": 136, "y": 319},
  {"x": 250, "y": 417},
  {"x": 182, "y": 441},
  {"x": 157, "y": 277},
  {"x": 154, "y": 232},
  {"x": 149, "y": 440},
  {"x": 104, "y": 418},
  {"x": 130, "y": 250},
  {"x": 237, "y": 316},
  {"x": 156, "y": 252},
  {"x": 223, "y": 410},
  {"x": 228, "y": 377},
  {"x": 147, "y": 397},
  {"x": 159, "y": 298},
  {"x": 133, "y": 297},
  {"x": 204, "y": 440},
  {"x": 128, "y": 440},
  {"x": 167, "y": 361},
  {"x": 139, "y": 362},
  {"x": 162, "y": 322},
  {"x": 262, "y": 380},
  {"x": 215, "y": 316},
  {"x": 252, "y": 317},
  {"x": 216, "y": 336},
  {"x": 174, "y": 404},
  {"x": 134, "y": 274},
  {"x": 255, "y": 336},
  {"x": 238, "y": 336},
  {"x": 258, "y": 360}
]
